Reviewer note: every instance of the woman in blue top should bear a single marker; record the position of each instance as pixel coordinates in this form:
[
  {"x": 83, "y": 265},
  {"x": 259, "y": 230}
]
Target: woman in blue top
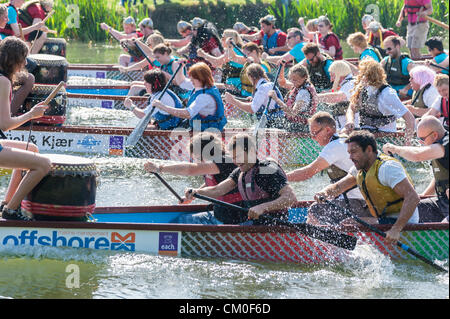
[
  {"x": 155, "y": 81},
  {"x": 205, "y": 106},
  {"x": 436, "y": 49}
]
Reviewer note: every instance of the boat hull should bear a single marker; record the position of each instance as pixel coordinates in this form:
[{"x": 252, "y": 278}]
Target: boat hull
[
  {"x": 260, "y": 243},
  {"x": 284, "y": 147}
]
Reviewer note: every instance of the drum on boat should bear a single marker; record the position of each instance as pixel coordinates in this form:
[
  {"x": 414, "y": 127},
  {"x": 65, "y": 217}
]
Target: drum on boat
[
  {"x": 50, "y": 69},
  {"x": 55, "y": 46},
  {"x": 56, "y": 113},
  {"x": 66, "y": 193}
]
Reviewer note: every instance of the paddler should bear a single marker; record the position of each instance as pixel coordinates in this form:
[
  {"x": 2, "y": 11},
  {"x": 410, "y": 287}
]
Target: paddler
[
  {"x": 12, "y": 26},
  {"x": 425, "y": 93},
  {"x": 377, "y": 35},
  {"x": 329, "y": 42},
  {"x": 335, "y": 160},
  {"x": 184, "y": 28},
  {"x": 33, "y": 12},
  {"x": 378, "y": 104},
  {"x": 15, "y": 154},
  {"x": 434, "y": 140},
  {"x": 301, "y": 101},
  {"x": 295, "y": 42},
  {"x": 317, "y": 64},
  {"x": 154, "y": 82},
  {"x": 440, "y": 106},
  {"x": 383, "y": 182},
  {"x": 436, "y": 49},
  {"x": 397, "y": 66},
  {"x": 205, "y": 109},
  {"x": 358, "y": 42},
  {"x": 263, "y": 185},
  {"x": 213, "y": 163}
]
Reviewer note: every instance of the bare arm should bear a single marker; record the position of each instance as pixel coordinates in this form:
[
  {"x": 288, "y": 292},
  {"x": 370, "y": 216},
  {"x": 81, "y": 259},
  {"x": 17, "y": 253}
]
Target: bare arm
[
  {"x": 308, "y": 171},
  {"x": 213, "y": 191},
  {"x": 416, "y": 153},
  {"x": 287, "y": 199},
  {"x": 334, "y": 190},
  {"x": 184, "y": 169}
]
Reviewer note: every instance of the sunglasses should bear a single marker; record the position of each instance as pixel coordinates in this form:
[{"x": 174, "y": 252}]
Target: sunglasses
[
  {"x": 312, "y": 59},
  {"x": 321, "y": 25},
  {"x": 389, "y": 49},
  {"x": 313, "y": 134},
  {"x": 422, "y": 139}
]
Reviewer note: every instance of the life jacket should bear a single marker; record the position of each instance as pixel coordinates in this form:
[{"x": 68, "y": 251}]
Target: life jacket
[
  {"x": 393, "y": 71},
  {"x": 340, "y": 108},
  {"x": 168, "y": 121},
  {"x": 412, "y": 7},
  {"x": 218, "y": 120},
  {"x": 440, "y": 170},
  {"x": 318, "y": 76},
  {"x": 308, "y": 110},
  {"x": 246, "y": 84},
  {"x": 184, "y": 94},
  {"x": 417, "y": 97},
  {"x": 368, "y": 109},
  {"x": 339, "y": 52},
  {"x": 272, "y": 42},
  {"x": 445, "y": 111},
  {"x": 272, "y": 114},
  {"x": 234, "y": 195},
  {"x": 7, "y": 30},
  {"x": 375, "y": 50},
  {"x": 252, "y": 194},
  {"x": 381, "y": 200},
  {"x": 25, "y": 17}
]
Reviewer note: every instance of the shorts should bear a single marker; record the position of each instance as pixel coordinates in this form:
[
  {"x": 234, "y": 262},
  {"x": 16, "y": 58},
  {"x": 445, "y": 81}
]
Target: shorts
[
  {"x": 416, "y": 35},
  {"x": 327, "y": 215},
  {"x": 432, "y": 210}
]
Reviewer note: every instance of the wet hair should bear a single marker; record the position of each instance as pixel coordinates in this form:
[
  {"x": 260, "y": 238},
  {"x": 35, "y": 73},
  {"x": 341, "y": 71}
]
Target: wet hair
[
  {"x": 256, "y": 71},
  {"x": 162, "y": 48},
  {"x": 156, "y": 79},
  {"x": 252, "y": 47},
  {"x": 323, "y": 118},
  {"x": 357, "y": 39},
  {"x": 435, "y": 43},
  {"x": 201, "y": 72},
  {"x": 154, "y": 40},
  {"x": 207, "y": 141},
  {"x": 300, "y": 70},
  {"x": 311, "y": 47},
  {"x": 441, "y": 79},
  {"x": 13, "y": 53},
  {"x": 363, "y": 139}
]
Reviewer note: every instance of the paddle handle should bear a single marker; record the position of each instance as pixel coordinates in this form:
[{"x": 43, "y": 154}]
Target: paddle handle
[
  {"x": 53, "y": 93},
  {"x": 438, "y": 66},
  {"x": 383, "y": 234},
  {"x": 145, "y": 55},
  {"x": 238, "y": 49},
  {"x": 48, "y": 16},
  {"x": 437, "y": 22},
  {"x": 219, "y": 202}
]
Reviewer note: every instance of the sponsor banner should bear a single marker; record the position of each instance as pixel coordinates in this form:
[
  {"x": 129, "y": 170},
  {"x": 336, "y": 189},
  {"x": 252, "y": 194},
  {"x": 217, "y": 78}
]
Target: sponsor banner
[
  {"x": 87, "y": 73},
  {"x": 155, "y": 242},
  {"x": 63, "y": 142},
  {"x": 96, "y": 103}
]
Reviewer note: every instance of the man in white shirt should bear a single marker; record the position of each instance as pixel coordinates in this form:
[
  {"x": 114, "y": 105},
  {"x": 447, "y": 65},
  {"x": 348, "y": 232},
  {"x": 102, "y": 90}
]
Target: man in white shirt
[
  {"x": 335, "y": 159},
  {"x": 382, "y": 180}
]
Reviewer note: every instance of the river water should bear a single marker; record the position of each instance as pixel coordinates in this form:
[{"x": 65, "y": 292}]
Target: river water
[{"x": 43, "y": 272}]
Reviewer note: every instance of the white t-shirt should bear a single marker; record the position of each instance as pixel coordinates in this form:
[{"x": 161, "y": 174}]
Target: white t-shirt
[
  {"x": 437, "y": 106},
  {"x": 430, "y": 95},
  {"x": 390, "y": 174},
  {"x": 388, "y": 104},
  {"x": 347, "y": 89},
  {"x": 261, "y": 97},
  {"x": 166, "y": 100},
  {"x": 335, "y": 153},
  {"x": 204, "y": 105}
]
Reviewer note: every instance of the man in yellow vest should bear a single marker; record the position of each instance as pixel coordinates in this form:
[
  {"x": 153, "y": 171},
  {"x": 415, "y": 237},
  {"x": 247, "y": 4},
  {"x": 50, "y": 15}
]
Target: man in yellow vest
[{"x": 383, "y": 182}]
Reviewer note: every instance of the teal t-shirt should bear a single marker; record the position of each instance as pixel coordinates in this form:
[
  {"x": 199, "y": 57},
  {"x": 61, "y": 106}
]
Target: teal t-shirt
[
  {"x": 297, "y": 52},
  {"x": 440, "y": 58},
  {"x": 369, "y": 53}
]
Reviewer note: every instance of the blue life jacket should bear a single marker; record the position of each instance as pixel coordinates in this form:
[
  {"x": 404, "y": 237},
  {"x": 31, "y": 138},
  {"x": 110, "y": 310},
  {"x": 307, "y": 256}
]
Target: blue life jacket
[
  {"x": 218, "y": 120},
  {"x": 168, "y": 121},
  {"x": 272, "y": 42},
  {"x": 182, "y": 93},
  {"x": 271, "y": 114}
]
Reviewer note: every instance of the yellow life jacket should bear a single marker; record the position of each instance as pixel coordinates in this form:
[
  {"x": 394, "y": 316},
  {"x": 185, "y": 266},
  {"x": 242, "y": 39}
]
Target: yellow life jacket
[
  {"x": 246, "y": 84},
  {"x": 381, "y": 200}
]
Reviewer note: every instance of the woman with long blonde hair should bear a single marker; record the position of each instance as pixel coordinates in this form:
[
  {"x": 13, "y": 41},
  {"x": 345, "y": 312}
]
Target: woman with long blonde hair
[{"x": 378, "y": 104}]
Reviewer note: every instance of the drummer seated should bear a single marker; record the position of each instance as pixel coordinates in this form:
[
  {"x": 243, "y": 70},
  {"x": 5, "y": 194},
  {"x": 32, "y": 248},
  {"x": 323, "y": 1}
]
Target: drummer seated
[
  {"x": 23, "y": 85},
  {"x": 262, "y": 184}
]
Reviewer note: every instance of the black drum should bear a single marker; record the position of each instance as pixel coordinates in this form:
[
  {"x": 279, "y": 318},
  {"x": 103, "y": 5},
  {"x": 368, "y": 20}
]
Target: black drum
[
  {"x": 56, "y": 113},
  {"x": 66, "y": 193},
  {"x": 55, "y": 46},
  {"x": 50, "y": 69}
]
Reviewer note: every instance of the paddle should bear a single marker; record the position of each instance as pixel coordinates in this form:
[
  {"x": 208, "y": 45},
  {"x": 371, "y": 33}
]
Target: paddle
[
  {"x": 323, "y": 234},
  {"x": 437, "y": 22},
  {"x": 168, "y": 187},
  {"x": 263, "y": 120},
  {"x": 140, "y": 127},
  {"x": 143, "y": 54},
  {"x": 383, "y": 234},
  {"x": 438, "y": 66}
]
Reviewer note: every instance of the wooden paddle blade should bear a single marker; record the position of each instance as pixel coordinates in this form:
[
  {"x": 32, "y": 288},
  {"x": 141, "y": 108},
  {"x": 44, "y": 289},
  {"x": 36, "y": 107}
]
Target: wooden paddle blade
[{"x": 134, "y": 137}]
